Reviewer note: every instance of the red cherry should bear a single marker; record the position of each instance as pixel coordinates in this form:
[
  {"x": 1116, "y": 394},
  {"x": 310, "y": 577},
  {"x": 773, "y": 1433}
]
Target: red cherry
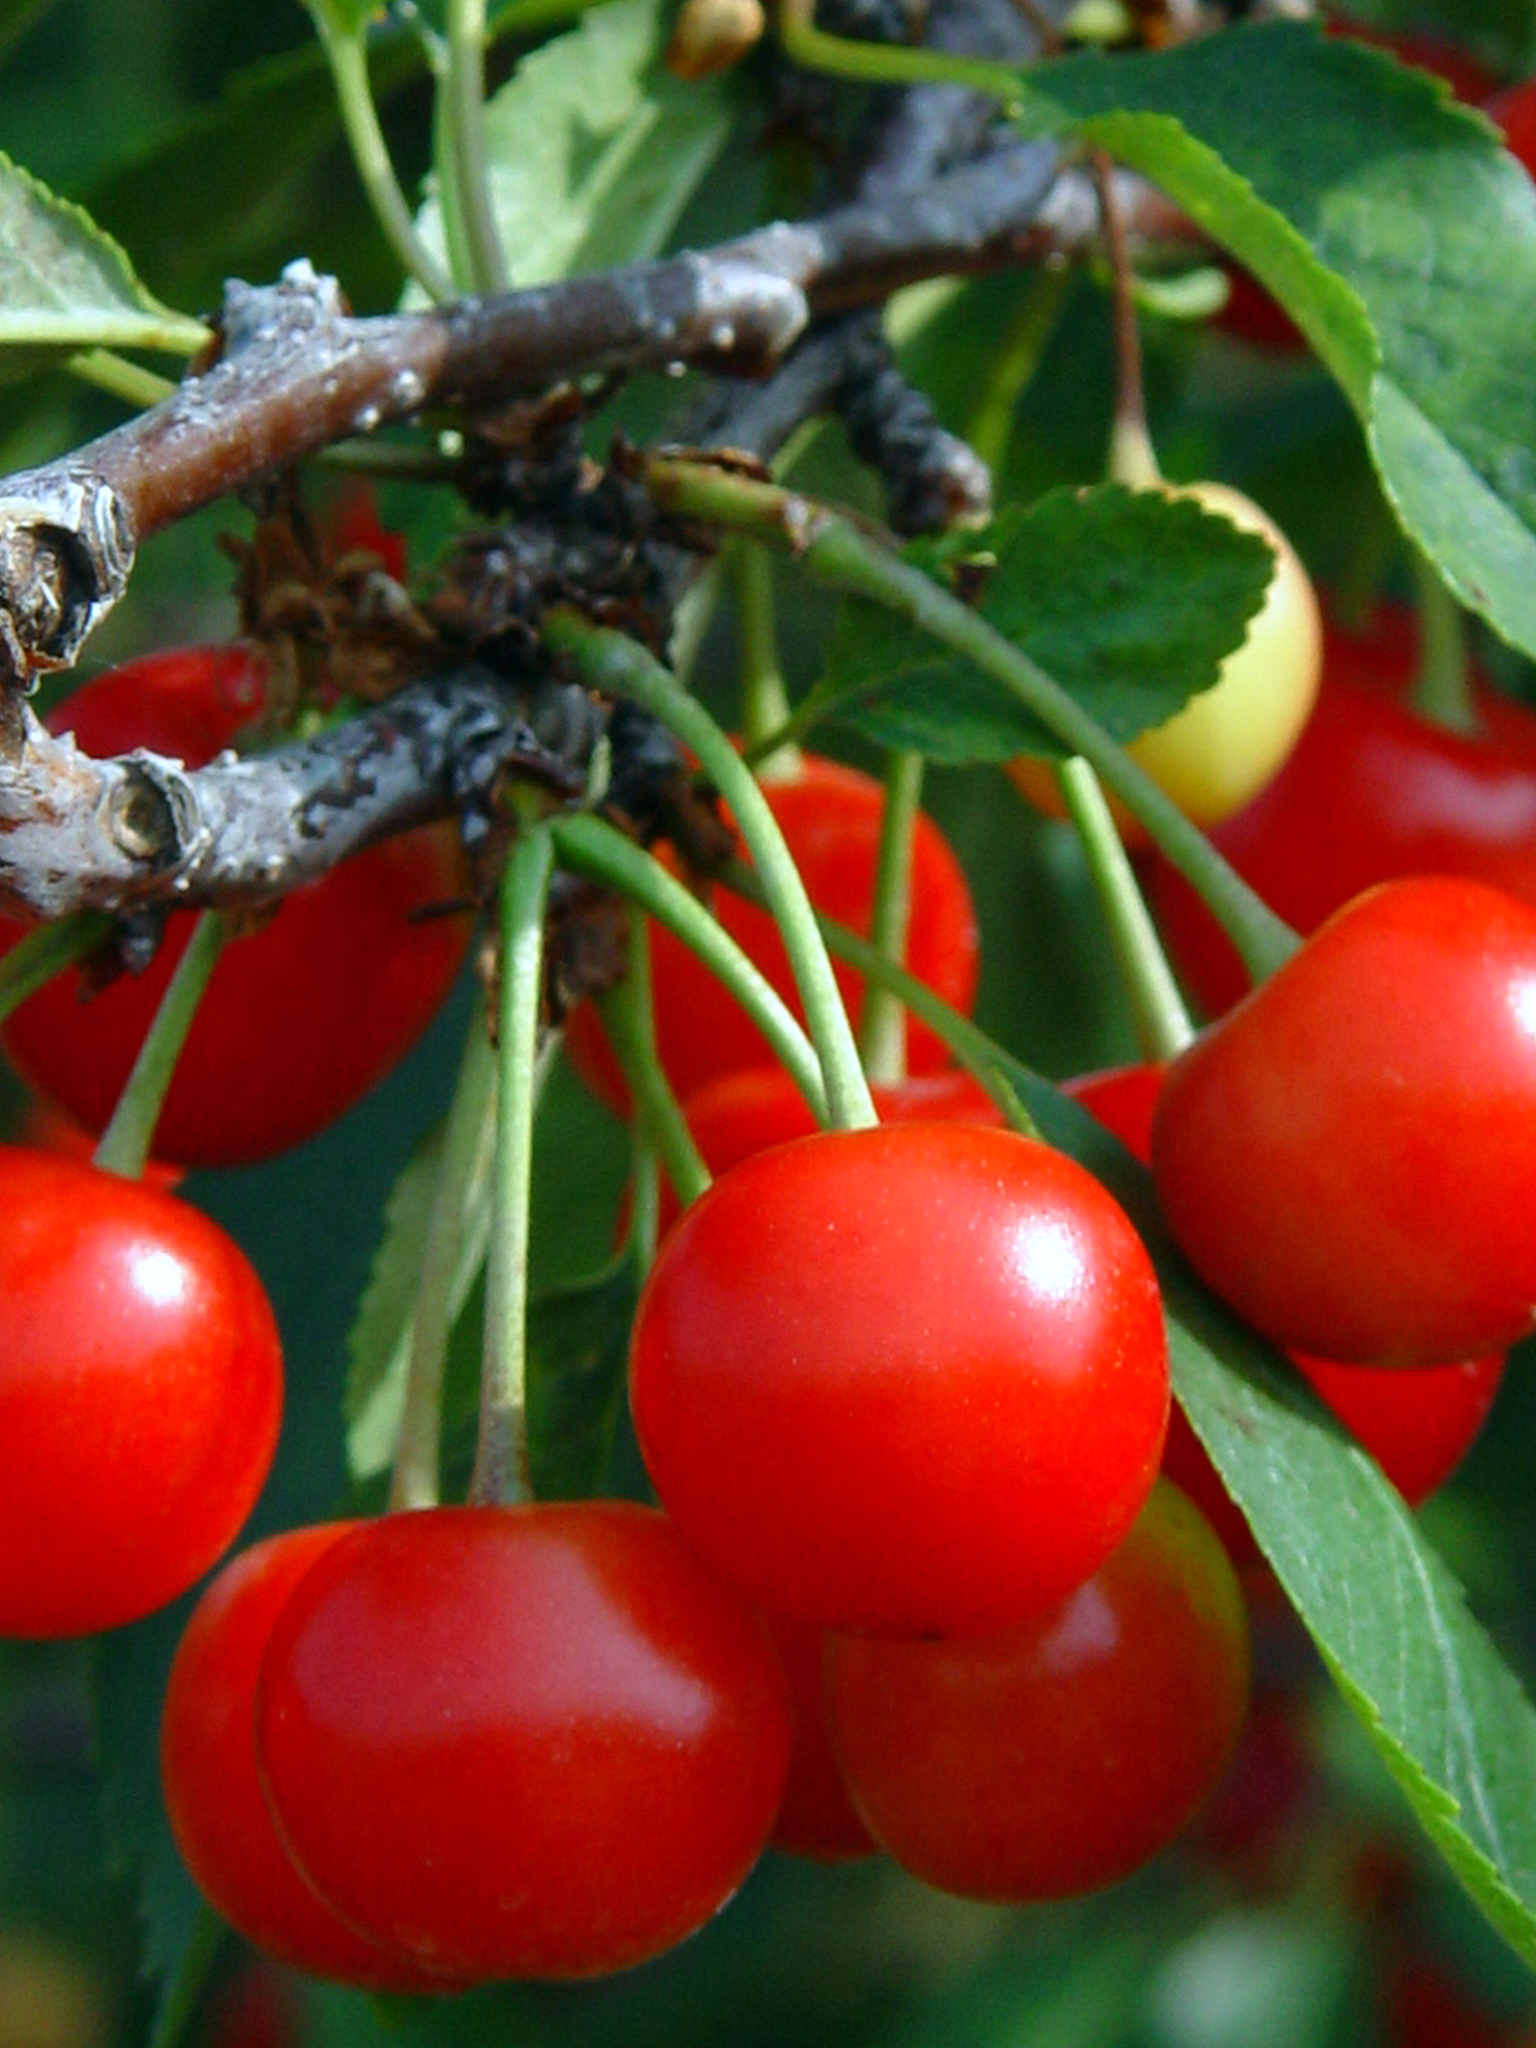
[
  {"x": 1349, "y": 1156},
  {"x": 303, "y": 1016},
  {"x": 830, "y": 815},
  {"x": 816, "y": 1818},
  {"x": 527, "y": 1742},
  {"x": 1057, "y": 1756},
  {"x": 1418, "y": 1426},
  {"x": 1515, "y": 112},
  {"x": 748, "y": 1110},
  {"x": 140, "y": 1391},
  {"x": 1427, "y": 2005},
  {"x": 354, "y": 527},
  {"x": 217, "y": 1809},
  {"x": 1373, "y": 791},
  {"x": 46, "y": 1129},
  {"x": 903, "y": 1379}
]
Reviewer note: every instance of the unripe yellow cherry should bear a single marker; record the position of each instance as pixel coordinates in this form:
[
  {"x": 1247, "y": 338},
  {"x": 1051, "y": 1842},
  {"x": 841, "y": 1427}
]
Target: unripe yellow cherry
[{"x": 1225, "y": 744}]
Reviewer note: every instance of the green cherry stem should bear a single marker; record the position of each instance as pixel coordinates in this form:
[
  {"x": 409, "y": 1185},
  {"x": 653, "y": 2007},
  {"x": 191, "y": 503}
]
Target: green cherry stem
[
  {"x": 883, "y": 1021},
  {"x": 463, "y": 86},
  {"x": 1162, "y": 1022},
  {"x": 627, "y": 1018},
  {"x": 622, "y": 668},
  {"x": 586, "y": 845},
  {"x": 501, "y": 1450},
  {"x": 970, "y": 1045},
  {"x": 46, "y": 951},
  {"x": 347, "y": 54},
  {"x": 125, "y": 1143},
  {"x": 108, "y": 371},
  {"x": 837, "y": 552},
  {"x": 463, "y": 1174},
  {"x": 764, "y": 699},
  {"x": 884, "y": 63}
]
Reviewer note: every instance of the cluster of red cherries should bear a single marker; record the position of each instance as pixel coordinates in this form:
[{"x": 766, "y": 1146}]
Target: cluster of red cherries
[{"x": 920, "y": 1581}]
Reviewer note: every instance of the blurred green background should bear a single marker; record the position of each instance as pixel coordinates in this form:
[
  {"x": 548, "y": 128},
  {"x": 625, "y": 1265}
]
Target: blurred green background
[{"x": 1303, "y": 1911}]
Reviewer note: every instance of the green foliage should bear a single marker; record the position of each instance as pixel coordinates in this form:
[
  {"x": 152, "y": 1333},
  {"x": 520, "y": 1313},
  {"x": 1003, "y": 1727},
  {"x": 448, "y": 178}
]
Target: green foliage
[
  {"x": 594, "y": 149},
  {"x": 1401, "y": 239},
  {"x": 1444, "y": 1712},
  {"x": 1130, "y": 600},
  {"x": 578, "y": 1343},
  {"x": 344, "y": 17},
  {"x": 378, "y": 1342},
  {"x": 64, "y": 284}
]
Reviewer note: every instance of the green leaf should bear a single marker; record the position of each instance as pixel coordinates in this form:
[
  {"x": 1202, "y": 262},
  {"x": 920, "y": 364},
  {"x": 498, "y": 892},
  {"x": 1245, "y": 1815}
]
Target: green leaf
[
  {"x": 578, "y": 1343},
  {"x": 345, "y": 17},
  {"x": 128, "y": 1673},
  {"x": 378, "y": 1342},
  {"x": 594, "y": 149},
  {"x": 1130, "y": 599},
  {"x": 1401, "y": 238},
  {"x": 65, "y": 284},
  {"x": 1441, "y": 1707}
]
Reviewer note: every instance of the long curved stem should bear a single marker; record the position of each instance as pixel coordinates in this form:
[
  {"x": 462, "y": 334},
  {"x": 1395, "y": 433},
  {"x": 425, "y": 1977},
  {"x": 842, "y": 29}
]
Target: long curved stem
[
  {"x": 501, "y": 1452},
  {"x": 464, "y": 89},
  {"x": 587, "y": 846},
  {"x": 626, "y": 1014},
  {"x": 883, "y": 1022},
  {"x": 836, "y": 551},
  {"x": 46, "y": 951},
  {"x": 764, "y": 699},
  {"x": 884, "y": 63},
  {"x": 125, "y": 1143},
  {"x": 347, "y": 56},
  {"x": 1162, "y": 1022},
  {"x": 623, "y": 668}
]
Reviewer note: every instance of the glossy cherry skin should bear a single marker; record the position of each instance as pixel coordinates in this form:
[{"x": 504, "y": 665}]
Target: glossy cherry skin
[
  {"x": 816, "y": 1818},
  {"x": 1418, "y": 1426},
  {"x": 1373, "y": 791},
  {"x": 830, "y": 816},
  {"x": 1349, "y": 1156},
  {"x": 521, "y": 1742},
  {"x": 304, "y": 1014},
  {"x": 903, "y": 1379},
  {"x": 744, "y": 1112},
  {"x": 218, "y": 1811},
  {"x": 1057, "y": 1756},
  {"x": 140, "y": 1393}
]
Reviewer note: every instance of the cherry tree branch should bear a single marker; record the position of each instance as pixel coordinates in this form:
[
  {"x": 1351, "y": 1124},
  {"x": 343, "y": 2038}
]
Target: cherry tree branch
[
  {"x": 141, "y": 830},
  {"x": 297, "y": 372}
]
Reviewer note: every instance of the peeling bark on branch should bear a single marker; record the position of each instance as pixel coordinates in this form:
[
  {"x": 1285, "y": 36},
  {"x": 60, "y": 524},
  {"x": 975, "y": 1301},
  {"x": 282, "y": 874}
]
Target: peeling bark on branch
[
  {"x": 298, "y": 373},
  {"x": 119, "y": 835}
]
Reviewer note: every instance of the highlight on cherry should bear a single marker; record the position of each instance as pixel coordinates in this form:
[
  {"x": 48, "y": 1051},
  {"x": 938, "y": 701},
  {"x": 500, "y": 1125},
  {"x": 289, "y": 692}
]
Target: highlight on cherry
[{"x": 668, "y": 1369}]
